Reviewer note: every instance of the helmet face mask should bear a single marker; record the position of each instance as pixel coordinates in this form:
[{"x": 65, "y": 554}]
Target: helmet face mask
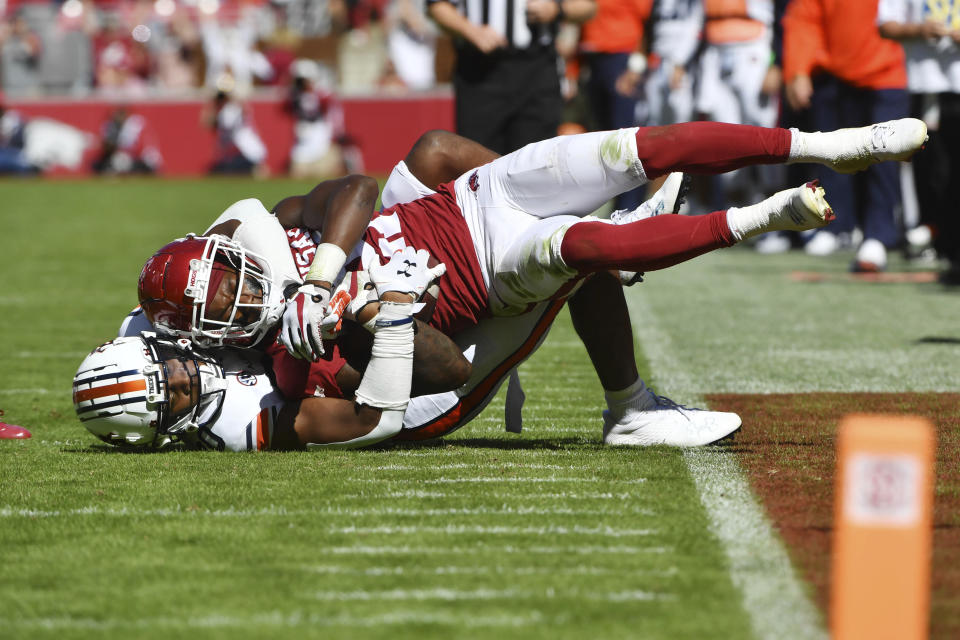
[
  {"x": 147, "y": 391},
  {"x": 211, "y": 291}
]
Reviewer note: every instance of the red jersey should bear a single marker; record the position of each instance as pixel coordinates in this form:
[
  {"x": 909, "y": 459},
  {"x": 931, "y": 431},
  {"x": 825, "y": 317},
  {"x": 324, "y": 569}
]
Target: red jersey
[{"x": 435, "y": 223}]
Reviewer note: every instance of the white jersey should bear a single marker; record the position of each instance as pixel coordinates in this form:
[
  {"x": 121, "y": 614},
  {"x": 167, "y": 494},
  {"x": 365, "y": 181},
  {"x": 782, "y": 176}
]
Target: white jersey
[
  {"x": 932, "y": 67},
  {"x": 243, "y": 418}
]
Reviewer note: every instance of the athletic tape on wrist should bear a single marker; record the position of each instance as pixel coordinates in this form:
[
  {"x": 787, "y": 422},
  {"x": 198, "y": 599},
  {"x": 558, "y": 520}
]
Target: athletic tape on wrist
[
  {"x": 386, "y": 382},
  {"x": 327, "y": 263}
]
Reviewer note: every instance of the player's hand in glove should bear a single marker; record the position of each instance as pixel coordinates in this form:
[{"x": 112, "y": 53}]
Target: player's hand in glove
[
  {"x": 302, "y": 322},
  {"x": 407, "y": 272}
]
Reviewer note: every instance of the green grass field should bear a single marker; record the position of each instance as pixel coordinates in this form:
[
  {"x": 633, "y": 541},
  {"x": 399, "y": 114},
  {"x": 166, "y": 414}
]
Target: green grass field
[{"x": 483, "y": 535}]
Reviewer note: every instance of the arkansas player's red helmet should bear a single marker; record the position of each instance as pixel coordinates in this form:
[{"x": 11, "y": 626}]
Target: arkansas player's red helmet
[{"x": 209, "y": 290}]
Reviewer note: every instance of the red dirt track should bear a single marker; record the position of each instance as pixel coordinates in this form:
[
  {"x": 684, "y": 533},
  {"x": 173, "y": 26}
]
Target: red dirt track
[{"x": 787, "y": 447}]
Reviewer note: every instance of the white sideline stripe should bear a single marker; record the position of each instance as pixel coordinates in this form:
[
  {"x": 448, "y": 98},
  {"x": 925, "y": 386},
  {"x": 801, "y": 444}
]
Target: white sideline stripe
[
  {"x": 280, "y": 511},
  {"x": 499, "y": 465},
  {"x": 562, "y": 495},
  {"x": 507, "y": 549},
  {"x": 18, "y": 392},
  {"x": 458, "y": 595},
  {"x": 294, "y": 619},
  {"x": 455, "y": 529},
  {"x": 451, "y": 570},
  {"x": 773, "y": 596},
  {"x": 533, "y": 480}
]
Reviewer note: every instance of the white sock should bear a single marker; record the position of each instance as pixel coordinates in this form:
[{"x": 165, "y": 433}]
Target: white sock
[
  {"x": 815, "y": 146},
  {"x": 633, "y": 398},
  {"x": 746, "y": 222}
]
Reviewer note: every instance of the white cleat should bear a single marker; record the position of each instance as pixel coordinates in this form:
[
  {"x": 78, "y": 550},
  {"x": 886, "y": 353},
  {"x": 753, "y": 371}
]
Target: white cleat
[
  {"x": 798, "y": 209},
  {"x": 668, "y": 199},
  {"x": 665, "y": 422},
  {"x": 856, "y": 149}
]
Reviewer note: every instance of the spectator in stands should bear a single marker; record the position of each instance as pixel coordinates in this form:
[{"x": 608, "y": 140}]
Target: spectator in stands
[
  {"x": 229, "y": 44},
  {"x": 611, "y": 44},
  {"x": 412, "y": 42},
  {"x": 322, "y": 147},
  {"x": 12, "y": 142},
  {"x": 837, "y": 65},
  {"x": 121, "y": 63},
  {"x": 506, "y": 81},
  {"x": 930, "y": 37},
  {"x": 20, "y": 51},
  {"x": 239, "y": 148},
  {"x": 127, "y": 145}
]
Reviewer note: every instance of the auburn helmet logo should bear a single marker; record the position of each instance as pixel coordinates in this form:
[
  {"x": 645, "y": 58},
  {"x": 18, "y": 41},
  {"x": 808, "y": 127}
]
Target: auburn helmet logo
[{"x": 246, "y": 379}]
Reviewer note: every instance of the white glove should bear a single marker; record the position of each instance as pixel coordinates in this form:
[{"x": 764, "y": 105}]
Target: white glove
[
  {"x": 407, "y": 272},
  {"x": 303, "y": 318}
]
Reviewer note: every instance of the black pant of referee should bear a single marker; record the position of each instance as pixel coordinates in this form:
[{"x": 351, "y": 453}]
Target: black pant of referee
[{"x": 508, "y": 98}]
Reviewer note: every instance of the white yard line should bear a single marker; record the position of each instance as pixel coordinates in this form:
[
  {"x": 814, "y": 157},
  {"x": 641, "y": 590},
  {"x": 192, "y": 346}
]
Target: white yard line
[{"x": 773, "y": 596}]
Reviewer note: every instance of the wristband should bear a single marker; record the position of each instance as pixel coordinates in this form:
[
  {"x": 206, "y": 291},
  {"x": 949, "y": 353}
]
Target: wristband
[{"x": 327, "y": 263}]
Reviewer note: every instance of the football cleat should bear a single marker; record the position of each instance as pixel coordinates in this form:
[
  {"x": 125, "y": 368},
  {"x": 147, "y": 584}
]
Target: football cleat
[
  {"x": 668, "y": 199},
  {"x": 852, "y": 150},
  {"x": 797, "y": 209},
  {"x": 663, "y": 421}
]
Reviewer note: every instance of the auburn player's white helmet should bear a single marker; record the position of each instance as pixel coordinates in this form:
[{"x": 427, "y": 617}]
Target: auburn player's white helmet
[
  {"x": 146, "y": 390},
  {"x": 211, "y": 291}
]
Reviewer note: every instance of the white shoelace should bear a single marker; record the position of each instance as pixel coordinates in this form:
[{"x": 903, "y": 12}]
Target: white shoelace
[{"x": 879, "y": 135}]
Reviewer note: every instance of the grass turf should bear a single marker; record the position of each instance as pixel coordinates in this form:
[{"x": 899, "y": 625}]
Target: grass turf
[{"x": 484, "y": 535}]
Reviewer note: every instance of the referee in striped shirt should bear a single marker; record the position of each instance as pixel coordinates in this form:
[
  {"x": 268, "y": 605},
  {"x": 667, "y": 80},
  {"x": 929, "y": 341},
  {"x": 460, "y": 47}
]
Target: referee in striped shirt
[{"x": 506, "y": 79}]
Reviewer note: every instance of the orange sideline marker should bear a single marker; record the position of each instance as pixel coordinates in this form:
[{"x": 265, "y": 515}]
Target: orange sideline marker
[{"x": 883, "y": 528}]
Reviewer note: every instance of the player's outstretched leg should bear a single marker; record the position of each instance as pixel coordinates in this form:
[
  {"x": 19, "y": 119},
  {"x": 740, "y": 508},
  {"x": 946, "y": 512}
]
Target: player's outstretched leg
[
  {"x": 852, "y": 150},
  {"x": 643, "y": 418},
  {"x": 667, "y": 240},
  {"x": 707, "y": 148},
  {"x": 634, "y": 414}
]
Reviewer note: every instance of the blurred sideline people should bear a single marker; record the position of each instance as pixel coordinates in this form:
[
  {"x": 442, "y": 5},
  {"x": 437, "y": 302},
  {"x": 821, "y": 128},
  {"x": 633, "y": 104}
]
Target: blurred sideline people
[
  {"x": 506, "y": 78},
  {"x": 611, "y": 43},
  {"x": 674, "y": 35},
  {"x": 239, "y": 148},
  {"x": 930, "y": 36},
  {"x": 412, "y": 42},
  {"x": 13, "y": 159},
  {"x": 738, "y": 84},
  {"x": 20, "y": 52},
  {"x": 127, "y": 145},
  {"x": 837, "y": 65},
  {"x": 322, "y": 147}
]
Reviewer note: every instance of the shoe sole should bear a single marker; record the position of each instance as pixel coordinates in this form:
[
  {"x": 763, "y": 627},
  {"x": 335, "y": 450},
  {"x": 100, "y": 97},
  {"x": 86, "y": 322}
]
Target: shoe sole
[
  {"x": 680, "y": 196},
  {"x": 814, "y": 199}
]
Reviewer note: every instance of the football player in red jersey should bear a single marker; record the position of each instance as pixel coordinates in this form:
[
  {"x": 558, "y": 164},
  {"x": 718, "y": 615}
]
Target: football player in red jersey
[{"x": 512, "y": 233}]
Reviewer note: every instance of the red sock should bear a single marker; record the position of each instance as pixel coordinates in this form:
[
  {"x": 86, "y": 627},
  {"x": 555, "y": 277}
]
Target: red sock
[
  {"x": 646, "y": 245},
  {"x": 709, "y": 147}
]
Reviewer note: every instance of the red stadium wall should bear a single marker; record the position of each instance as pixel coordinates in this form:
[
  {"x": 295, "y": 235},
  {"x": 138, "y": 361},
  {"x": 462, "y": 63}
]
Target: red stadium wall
[{"x": 384, "y": 127}]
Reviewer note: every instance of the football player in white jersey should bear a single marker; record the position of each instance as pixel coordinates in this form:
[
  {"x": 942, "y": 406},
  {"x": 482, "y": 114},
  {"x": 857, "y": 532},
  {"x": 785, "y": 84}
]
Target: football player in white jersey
[{"x": 150, "y": 391}]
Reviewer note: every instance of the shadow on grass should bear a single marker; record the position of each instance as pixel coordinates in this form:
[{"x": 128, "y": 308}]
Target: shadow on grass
[{"x": 937, "y": 340}]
